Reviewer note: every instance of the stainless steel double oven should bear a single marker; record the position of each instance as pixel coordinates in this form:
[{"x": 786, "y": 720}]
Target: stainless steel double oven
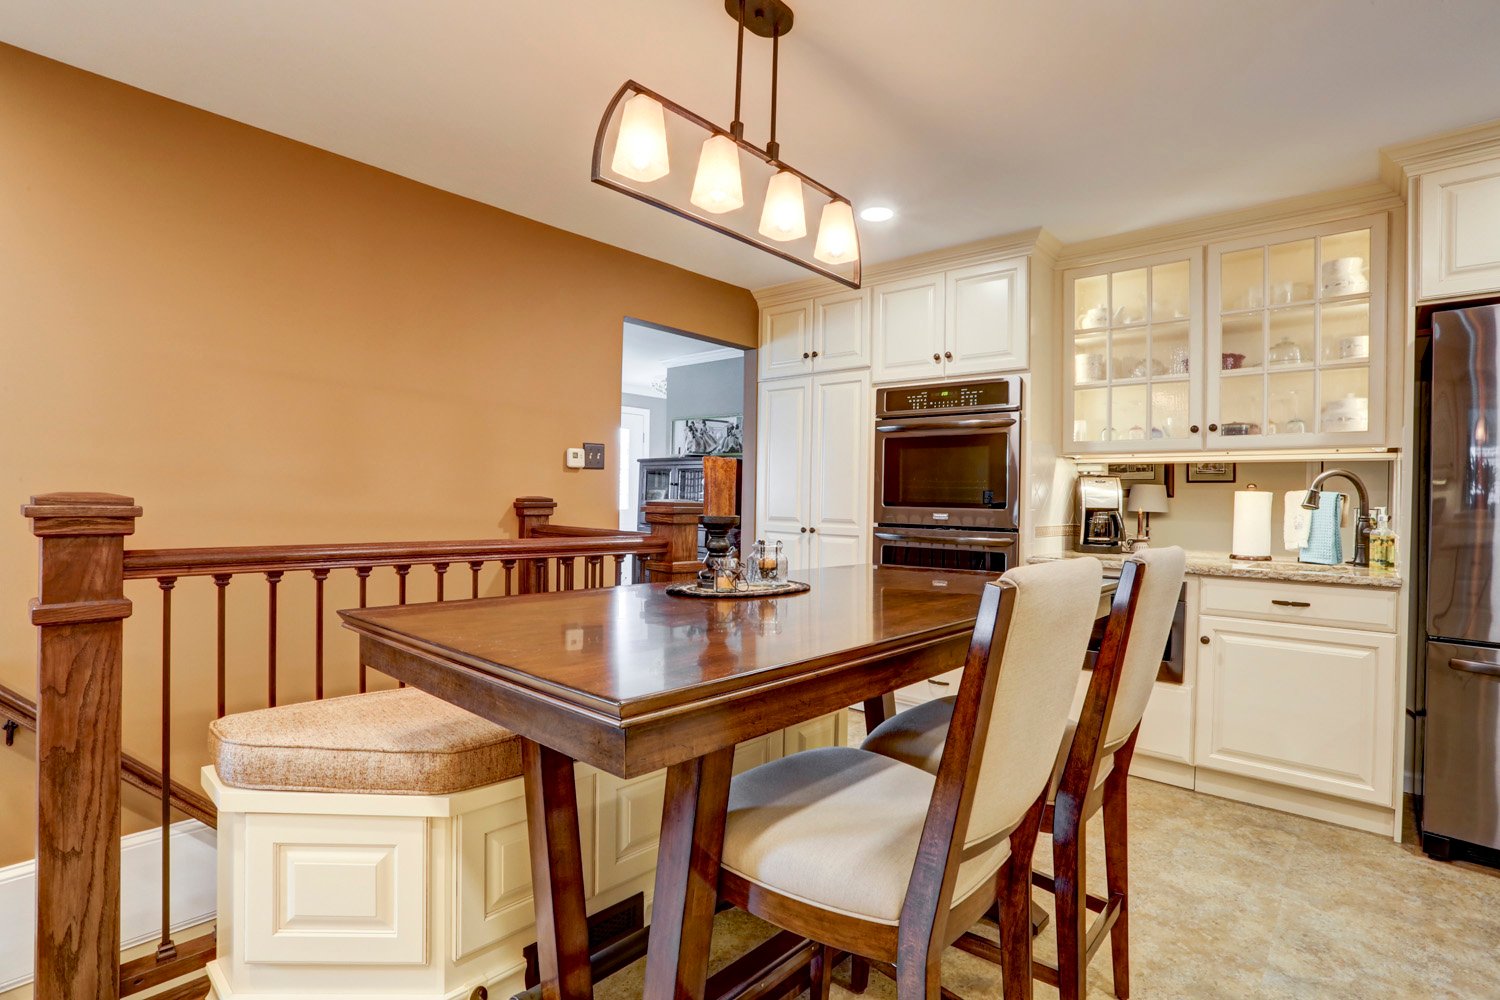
[{"x": 948, "y": 475}]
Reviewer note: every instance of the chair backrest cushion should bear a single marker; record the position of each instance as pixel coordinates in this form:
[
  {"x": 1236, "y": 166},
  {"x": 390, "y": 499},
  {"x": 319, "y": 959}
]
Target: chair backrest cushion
[
  {"x": 1039, "y": 660},
  {"x": 1154, "y": 609}
]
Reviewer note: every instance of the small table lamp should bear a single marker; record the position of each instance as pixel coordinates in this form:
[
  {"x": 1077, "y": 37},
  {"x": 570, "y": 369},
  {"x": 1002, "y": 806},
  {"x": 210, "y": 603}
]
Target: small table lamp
[{"x": 1146, "y": 499}]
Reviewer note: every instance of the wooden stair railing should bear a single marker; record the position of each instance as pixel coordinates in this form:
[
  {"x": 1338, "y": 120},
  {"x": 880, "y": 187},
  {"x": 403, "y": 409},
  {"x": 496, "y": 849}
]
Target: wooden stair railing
[{"x": 78, "y": 713}]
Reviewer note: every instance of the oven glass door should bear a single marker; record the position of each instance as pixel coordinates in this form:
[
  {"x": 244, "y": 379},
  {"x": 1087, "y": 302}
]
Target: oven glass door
[{"x": 952, "y": 472}]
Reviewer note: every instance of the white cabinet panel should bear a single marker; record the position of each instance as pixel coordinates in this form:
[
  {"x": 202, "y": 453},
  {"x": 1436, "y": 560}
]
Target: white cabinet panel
[
  {"x": 840, "y": 508},
  {"x": 908, "y": 334},
  {"x": 987, "y": 318},
  {"x": 782, "y": 456},
  {"x": 627, "y": 817},
  {"x": 1296, "y": 705},
  {"x": 786, "y": 340},
  {"x": 1307, "y": 603},
  {"x": 828, "y": 731},
  {"x": 753, "y": 753},
  {"x": 841, "y": 332},
  {"x": 1459, "y": 230}
]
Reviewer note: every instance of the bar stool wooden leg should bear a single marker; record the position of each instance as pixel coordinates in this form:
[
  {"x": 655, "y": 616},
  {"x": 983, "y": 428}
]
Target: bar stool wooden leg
[
  {"x": 1069, "y": 885},
  {"x": 821, "y": 972},
  {"x": 1117, "y": 866},
  {"x": 1013, "y": 907},
  {"x": 859, "y": 974}
]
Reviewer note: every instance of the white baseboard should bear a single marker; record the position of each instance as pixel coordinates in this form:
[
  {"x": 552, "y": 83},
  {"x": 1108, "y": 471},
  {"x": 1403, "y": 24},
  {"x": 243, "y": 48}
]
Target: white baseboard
[{"x": 193, "y": 890}]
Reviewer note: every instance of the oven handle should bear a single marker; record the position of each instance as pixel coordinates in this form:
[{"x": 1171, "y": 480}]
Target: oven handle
[
  {"x": 946, "y": 423},
  {"x": 993, "y": 543}
]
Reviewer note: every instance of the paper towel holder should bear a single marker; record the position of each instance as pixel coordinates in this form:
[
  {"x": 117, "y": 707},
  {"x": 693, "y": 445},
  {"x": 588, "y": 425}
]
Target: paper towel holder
[{"x": 1257, "y": 557}]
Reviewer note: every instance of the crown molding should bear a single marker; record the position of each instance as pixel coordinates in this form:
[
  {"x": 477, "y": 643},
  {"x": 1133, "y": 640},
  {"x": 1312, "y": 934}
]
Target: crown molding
[
  {"x": 704, "y": 357},
  {"x": 1304, "y": 210},
  {"x": 1036, "y": 241},
  {"x": 1455, "y": 148}
]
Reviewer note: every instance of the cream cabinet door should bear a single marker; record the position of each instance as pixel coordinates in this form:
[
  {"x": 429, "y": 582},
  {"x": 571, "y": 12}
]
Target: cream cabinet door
[
  {"x": 908, "y": 329},
  {"x": 1459, "y": 230},
  {"x": 842, "y": 439},
  {"x": 841, "y": 332},
  {"x": 1298, "y": 705},
  {"x": 987, "y": 319},
  {"x": 782, "y": 467},
  {"x": 786, "y": 340}
]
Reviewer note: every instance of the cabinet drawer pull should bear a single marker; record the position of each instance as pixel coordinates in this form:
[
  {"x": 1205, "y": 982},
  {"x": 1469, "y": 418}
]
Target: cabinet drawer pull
[
  {"x": 1291, "y": 604},
  {"x": 943, "y": 684},
  {"x": 1475, "y": 667}
]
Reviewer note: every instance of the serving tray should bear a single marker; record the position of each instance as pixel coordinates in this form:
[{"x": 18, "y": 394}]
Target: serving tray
[{"x": 755, "y": 590}]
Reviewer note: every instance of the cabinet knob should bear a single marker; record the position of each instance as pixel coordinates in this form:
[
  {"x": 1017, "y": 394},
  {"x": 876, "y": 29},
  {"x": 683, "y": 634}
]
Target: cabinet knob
[
  {"x": 802, "y": 531},
  {"x": 948, "y": 355},
  {"x": 805, "y": 355},
  {"x": 1213, "y": 427},
  {"x": 937, "y": 357},
  {"x": 815, "y": 353},
  {"x": 1203, "y": 639},
  {"x": 1193, "y": 429},
  {"x": 812, "y": 531}
]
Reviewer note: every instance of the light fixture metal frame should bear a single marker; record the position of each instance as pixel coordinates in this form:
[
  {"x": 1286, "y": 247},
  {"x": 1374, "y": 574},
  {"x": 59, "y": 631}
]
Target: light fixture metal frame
[{"x": 599, "y": 176}]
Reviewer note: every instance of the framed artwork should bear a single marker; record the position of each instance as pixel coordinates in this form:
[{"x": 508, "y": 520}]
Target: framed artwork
[
  {"x": 708, "y": 436},
  {"x": 1210, "y": 472},
  {"x": 1130, "y": 474}
]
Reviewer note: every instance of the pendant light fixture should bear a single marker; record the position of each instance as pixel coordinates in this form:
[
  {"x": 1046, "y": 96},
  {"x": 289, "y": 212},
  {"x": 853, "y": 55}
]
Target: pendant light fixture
[{"x": 640, "y": 126}]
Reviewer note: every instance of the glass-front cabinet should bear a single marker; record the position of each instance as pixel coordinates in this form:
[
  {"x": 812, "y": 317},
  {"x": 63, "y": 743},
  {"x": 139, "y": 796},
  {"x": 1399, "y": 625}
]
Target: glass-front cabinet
[
  {"x": 1267, "y": 343},
  {"x": 1296, "y": 335},
  {"x": 1134, "y": 381}
]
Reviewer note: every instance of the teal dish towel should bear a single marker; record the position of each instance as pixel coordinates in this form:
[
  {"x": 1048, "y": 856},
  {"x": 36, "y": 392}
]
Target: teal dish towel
[{"x": 1325, "y": 543}]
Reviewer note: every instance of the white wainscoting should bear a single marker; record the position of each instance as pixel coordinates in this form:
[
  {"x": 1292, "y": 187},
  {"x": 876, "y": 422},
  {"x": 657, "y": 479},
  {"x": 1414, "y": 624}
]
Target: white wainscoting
[{"x": 140, "y": 895}]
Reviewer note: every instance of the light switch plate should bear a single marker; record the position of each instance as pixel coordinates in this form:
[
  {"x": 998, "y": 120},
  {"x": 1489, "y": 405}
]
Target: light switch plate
[
  {"x": 574, "y": 458},
  {"x": 593, "y": 455}
]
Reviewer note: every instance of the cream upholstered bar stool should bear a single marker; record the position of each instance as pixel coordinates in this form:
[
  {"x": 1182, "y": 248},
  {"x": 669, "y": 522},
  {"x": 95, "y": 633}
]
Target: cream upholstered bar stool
[
  {"x": 370, "y": 845},
  {"x": 1091, "y": 768},
  {"x": 867, "y": 855}
]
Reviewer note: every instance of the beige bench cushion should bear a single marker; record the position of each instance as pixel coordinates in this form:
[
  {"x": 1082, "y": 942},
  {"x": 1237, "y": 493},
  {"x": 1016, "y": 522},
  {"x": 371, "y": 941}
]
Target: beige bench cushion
[
  {"x": 400, "y": 742},
  {"x": 839, "y": 828},
  {"x": 916, "y": 737}
]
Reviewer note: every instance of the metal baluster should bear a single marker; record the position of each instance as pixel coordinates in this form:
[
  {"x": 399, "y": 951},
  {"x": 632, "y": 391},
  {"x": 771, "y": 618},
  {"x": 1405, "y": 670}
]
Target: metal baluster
[
  {"x": 167, "y": 949},
  {"x": 319, "y": 576},
  {"x": 363, "y": 572},
  {"x": 273, "y": 579},
  {"x": 221, "y": 581},
  {"x": 508, "y": 565},
  {"x": 440, "y": 569},
  {"x": 474, "y": 568}
]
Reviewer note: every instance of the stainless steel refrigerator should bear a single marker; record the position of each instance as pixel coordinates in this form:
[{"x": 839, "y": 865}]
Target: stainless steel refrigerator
[{"x": 1461, "y": 702}]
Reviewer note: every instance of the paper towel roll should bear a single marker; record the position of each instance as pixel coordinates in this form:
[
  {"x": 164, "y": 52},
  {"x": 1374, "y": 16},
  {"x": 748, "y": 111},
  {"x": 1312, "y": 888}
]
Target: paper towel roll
[{"x": 1252, "y": 525}]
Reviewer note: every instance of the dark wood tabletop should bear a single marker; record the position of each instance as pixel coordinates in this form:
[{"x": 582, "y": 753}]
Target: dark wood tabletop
[{"x": 630, "y": 679}]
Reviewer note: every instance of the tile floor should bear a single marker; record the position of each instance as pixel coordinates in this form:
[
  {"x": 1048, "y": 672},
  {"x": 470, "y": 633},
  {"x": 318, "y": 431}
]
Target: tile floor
[{"x": 1234, "y": 902}]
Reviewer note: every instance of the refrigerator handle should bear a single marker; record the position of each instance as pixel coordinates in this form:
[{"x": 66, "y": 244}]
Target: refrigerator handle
[{"x": 1475, "y": 667}]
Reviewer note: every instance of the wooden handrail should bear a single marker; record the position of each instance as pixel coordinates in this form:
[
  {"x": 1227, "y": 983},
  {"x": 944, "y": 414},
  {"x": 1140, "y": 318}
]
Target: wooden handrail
[{"x": 151, "y": 564}]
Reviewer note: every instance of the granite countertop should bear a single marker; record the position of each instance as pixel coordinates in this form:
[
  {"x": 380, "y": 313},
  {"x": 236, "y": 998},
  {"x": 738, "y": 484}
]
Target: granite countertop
[{"x": 1219, "y": 564}]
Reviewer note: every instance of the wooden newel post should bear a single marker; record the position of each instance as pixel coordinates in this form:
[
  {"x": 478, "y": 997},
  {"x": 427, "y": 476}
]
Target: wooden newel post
[
  {"x": 78, "y": 615},
  {"x": 533, "y": 512},
  {"x": 676, "y": 521}
]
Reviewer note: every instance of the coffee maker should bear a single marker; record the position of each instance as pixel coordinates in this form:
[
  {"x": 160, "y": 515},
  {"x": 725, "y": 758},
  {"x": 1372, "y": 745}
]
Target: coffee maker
[{"x": 1101, "y": 515}]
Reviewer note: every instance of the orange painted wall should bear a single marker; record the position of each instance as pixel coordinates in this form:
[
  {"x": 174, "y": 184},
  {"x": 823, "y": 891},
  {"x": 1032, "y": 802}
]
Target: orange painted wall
[{"x": 264, "y": 342}]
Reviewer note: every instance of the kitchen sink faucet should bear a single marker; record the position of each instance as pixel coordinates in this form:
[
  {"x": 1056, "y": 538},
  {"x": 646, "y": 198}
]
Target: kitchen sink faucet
[{"x": 1362, "y": 521}]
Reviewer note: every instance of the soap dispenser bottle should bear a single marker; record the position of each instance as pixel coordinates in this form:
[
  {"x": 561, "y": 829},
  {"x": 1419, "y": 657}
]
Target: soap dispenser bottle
[{"x": 1382, "y": 544}]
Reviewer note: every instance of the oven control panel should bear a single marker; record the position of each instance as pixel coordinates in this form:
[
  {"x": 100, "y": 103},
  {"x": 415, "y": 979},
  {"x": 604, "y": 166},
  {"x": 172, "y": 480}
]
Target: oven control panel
[{"x": 947, "y": 397}]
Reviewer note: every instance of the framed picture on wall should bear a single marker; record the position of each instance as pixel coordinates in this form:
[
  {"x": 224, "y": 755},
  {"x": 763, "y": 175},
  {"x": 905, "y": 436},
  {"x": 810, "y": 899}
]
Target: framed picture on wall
[
  {"x": 1132, "y": 473},
  {"x": 1210, "y": 472},
  {"x": 708, "y": 436}
]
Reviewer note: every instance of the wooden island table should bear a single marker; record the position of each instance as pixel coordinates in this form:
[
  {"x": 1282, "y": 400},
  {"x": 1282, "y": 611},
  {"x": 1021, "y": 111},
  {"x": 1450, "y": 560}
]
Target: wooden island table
[{"x": 631, "y": 680}]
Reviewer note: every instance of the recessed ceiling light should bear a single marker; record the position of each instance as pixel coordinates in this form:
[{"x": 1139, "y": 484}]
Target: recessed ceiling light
[{"x": 878, "y": 213}]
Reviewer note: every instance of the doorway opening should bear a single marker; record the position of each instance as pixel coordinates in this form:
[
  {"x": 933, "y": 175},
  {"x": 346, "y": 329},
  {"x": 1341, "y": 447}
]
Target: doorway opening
[{"x": 681, "y": 397}]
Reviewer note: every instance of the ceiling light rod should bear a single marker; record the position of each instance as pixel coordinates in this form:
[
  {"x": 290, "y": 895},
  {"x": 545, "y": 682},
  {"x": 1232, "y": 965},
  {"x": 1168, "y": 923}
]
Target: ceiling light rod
[{"x": 639, "y": 163}]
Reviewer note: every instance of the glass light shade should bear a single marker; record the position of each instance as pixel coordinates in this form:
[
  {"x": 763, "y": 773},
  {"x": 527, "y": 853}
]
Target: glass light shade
[
  {"x": 716, "y": 187},
  {"x": 641, "y": 147},
  {"x": 1147, "y": 498},
  {"x": 837, "y": 241},
  {"x": 783, "y": 219}
]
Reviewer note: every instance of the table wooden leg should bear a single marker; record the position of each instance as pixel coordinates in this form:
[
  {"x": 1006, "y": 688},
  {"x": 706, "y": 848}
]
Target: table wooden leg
[
  {"x": 687, "y": 876},
  {"x": 562, "y": 931},
  {"x": 877, "y": 710}
]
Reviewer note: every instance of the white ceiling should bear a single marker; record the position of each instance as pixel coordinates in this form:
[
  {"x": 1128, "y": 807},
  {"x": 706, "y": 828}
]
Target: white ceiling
[
  {"x": 648, "y": 352},
  {"x": 972, "y": 117}
]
